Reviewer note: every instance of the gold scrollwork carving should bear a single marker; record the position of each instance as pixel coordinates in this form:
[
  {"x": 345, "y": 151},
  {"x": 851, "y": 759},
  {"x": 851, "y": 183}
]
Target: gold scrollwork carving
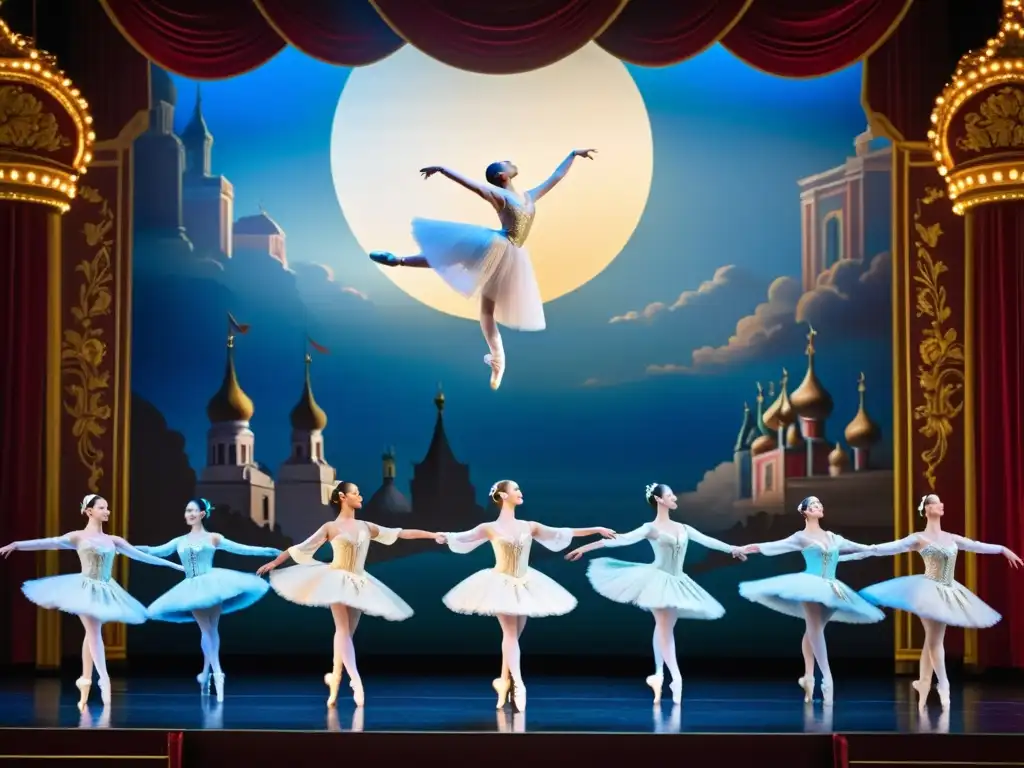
[
  {"x": 941, "y": 372},
  {"x": 83, "y": 349},
  {"x": 24, "y": 124},
  {"x": 998, "y": 123}
]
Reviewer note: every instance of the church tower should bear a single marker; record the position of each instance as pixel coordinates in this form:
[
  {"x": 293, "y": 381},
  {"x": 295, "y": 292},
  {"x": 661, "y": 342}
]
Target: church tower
[
  {"x": 862, "y": 433},
  {"x": 208, "y": 202},
  {"x": 232, "y": 477},
  {"x": 741, "y": 454},
  {"x": 305, "y": 480},
  {"x": 813, "y": 405}
]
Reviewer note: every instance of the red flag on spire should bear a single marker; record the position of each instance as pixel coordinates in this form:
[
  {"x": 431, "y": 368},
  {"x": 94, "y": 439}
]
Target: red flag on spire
[
  {"x": 318, "y": 347},
  {"x": 236, "y": 327}
]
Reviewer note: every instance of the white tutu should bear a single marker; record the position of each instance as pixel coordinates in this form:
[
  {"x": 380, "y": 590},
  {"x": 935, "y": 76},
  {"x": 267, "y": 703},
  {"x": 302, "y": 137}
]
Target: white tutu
[
  {"x": 648, "y": 587},
  {"x": 232, "y": 590},
  {"x": 490, "y": 592},
  {"x": 474, "y": 259},
  {"x": 105, "y": 601},
  {"x": 321, "y": 586},
  {"x": 951, "y": 604},
  {"x": 788, "y": 592}
]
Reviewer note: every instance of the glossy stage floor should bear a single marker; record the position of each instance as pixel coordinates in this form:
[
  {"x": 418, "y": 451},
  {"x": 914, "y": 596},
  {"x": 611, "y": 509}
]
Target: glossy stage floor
[{"x": 591, "y": 721}]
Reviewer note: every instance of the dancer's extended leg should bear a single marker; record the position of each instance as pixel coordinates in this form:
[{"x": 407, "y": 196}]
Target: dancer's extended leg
[
  {"x": 496, "y": 358},
  {"x": 934, "y": 643},
  {"x": 390, "y": 260},
  {"x": 664, "y": 628},
  {"x": 807, "y": 681},
  {"x": 94, "y": 639},
  {"x": 510, "y": 651},
  {"x": 344, "y": 657},
  {"x": 84, "y": 683},
  {"x": 816, "y": 616}
]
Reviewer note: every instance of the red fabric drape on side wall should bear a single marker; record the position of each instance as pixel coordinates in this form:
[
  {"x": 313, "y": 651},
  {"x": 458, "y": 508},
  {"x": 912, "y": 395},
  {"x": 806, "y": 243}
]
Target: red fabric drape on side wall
[
  {"x": 998, "y": 248},
  {"x": 23, "y": 288},
  {"x": 798, "y": 38}
]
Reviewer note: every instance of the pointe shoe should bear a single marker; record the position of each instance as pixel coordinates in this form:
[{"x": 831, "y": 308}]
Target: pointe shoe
[
  {"x": 923, "y": 688},
  {"x": 203, "y": 678},
  {"x": 358, "y": 695},
  {"x": 218, "y": 685},
  {"x": 497, "y": 364},
  {"x": 676, "y": 687},
  {"x": 943, "y": 696},
  {"x": 807, "y": 686},
  {"x": 385, "y": 259},
  {"x": 105, "y": 691},
  {"x": 501, "y": 686},
  {"x": 519, "y": 695},
  {"x": 84, "y": 685},
  {"x": 826, "y": 692},
  {"x": 332, "y": 680},
  {"x": 655, "y": 682}
]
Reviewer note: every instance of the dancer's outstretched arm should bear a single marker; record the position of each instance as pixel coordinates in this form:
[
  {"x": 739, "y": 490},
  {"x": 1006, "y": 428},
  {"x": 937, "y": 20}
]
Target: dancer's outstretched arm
[
  {"x": 67, "y": 541},
  {"x": 898, "y": 547},
  {"x": 233, "y": 547},
  {"x": 301, "y": 553},
  {"x": 467, "y": 541},
  {"x": 795, "y": 543},
  {"x": 969, "y": 545},
  {"x": 557, "y": 539},
  {"x": 552, "y": 181},
  {"x": 488, "y": 192},
  {"x": 847, "y": 547},
  {"x": 164, "y": 550},
  {"x": 645, "y": 531},
  {"x": 126, "y": 549},
  {"x": 715, "y": 544}
]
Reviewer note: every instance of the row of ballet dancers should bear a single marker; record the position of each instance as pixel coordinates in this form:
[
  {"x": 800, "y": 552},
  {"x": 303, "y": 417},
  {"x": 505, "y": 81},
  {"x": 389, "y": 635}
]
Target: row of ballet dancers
[{"x": 511, "y": 591}]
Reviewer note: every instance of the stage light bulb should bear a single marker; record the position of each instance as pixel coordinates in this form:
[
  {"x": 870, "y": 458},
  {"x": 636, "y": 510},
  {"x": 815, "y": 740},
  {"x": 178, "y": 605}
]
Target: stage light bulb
[
  {"x": 997, "y": 176},
  {"x": 982, "y": 178},
  {"x": 942, "y": 169},
  {"x": 75, "y": 92},
  {"x": 1013, "y": 175},
  {"x": 14, "y": 175},
  {"x": 30, "y": 176},
  {"x": 46, "y": 179}
]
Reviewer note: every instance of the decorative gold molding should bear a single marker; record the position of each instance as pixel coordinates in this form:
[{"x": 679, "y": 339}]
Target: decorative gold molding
[
  {"x": 971, "y": 656},
  {"x": 26, "y": 124},
  {"x": 940, "y": 373},
  {"x": 995, "y": 125}
]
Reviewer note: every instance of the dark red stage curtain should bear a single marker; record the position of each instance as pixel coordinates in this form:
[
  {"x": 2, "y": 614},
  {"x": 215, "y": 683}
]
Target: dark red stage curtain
[
  {"x": 792, "y": 38},
  {"x": 655, "y": 33},
  {"x": 23, "y": 283},
  {"x": 349, "y": 33},
  {"x": 810, "y": 38},
  {"x": 997, "y": 244},
  {"x": 499, "y": 38},
  {"x": 200, "y": 39}
]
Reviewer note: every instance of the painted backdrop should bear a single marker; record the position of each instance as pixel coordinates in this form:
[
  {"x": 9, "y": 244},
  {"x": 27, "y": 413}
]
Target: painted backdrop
[{"x": 719, "y": 319}]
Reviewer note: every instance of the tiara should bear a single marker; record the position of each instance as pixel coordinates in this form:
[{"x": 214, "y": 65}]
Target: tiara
[
  {"x": 87, "y": 500},
  {"x": 649, "y": 491}
]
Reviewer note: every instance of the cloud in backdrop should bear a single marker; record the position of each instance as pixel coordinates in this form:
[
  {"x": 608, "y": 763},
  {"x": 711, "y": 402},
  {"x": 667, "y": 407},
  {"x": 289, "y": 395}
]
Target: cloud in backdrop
[
  {"x": 849, "y": 300},
  {"x": 729, "y": 284},
  {"x": 711, "y": 505}
]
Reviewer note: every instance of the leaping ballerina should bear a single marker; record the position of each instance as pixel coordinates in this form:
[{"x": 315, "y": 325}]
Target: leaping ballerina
[
  {"x": 512, "y": 591},
  {"x": 935, "y": 596},
  {"x": 816, "y": 595},
  {"x": 493, "y": 263},
  {"x": 207, "y": 593},
  {"x": 92, "y": 595},
  {"x": 660, "y": 587}
]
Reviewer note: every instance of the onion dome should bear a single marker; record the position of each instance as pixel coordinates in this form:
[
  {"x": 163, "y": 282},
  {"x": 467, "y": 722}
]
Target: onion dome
[
  {"x": 793, "y": 437},
  {"x": 837, "y": 459},
  {"x": 230, "y": 403},
  {"x": 862, "y": 432},
  {"x": 261, "y": 224},
  {"x": 780, "y": 413},
  {"x": 811, "y": 400},
  {"x": 765, "y": 440},
  {"x": 977, "y": 122},
  {"x": 743, "y": 439},
  {"x": 307, "y": 416}
]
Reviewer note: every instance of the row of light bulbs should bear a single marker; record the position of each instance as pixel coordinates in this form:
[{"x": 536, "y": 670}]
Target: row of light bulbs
[{"x": 65, "y": 184}]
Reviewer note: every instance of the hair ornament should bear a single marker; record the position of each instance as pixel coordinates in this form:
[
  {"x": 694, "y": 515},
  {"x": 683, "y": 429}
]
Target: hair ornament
[
  {"x": 207, "y": 507},
  {"x": 87, "y": 500},
  {"x": 494, "y": 490},
  {"x": 649, "y": 491},
  {"x": 923, "y": 504}
]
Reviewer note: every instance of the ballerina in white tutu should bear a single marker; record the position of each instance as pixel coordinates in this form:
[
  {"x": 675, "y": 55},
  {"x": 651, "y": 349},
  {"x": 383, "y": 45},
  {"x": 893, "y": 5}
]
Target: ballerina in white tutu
[
  {"x": 207, "y": 593},
  {"x": 816, "y": 595},
  {"x": 660, "y": 587},
  {"x": 935, "y": 596},
  {"x": 512, "y": 591},
  {"x": 344, "y": 586},
  {"x": 493, "y": 263},
  {"x": 92, "y": 595}
]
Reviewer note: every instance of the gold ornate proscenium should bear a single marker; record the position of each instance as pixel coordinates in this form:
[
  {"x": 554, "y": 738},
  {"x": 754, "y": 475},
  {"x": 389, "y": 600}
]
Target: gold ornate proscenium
[
  {"x": 977, "y": 134},
  {"x": 46, "y": 134}
]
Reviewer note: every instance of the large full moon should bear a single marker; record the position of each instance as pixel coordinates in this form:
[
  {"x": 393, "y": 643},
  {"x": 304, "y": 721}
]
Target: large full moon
[{"x": 410, "y": 111}]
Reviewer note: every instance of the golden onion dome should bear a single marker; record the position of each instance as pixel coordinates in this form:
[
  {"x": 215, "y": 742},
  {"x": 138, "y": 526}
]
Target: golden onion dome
[
  {"x": 230, "y": 403},
  {"x": 838, "y": 458},
  {"x": 307, "y": 415},
  {"x": 762, "y": 444},
  {"x": 780, "y": 413},
  {"x": 862, "y": 432},
  {"x": 793, "y": 437},
  {"x": 811, "y": 400}
]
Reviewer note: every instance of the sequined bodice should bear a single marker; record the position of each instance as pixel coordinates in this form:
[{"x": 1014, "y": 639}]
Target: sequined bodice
[
  {"x": 350, "y": 554},
  {"x": 196, "y": 556},
  {"x": 939, "y": 563},
  {"x": 512, "y": 555},
  {"x": 821, "y": 561},
  {"x": 670, "y": 551},
  {"x": 97, "y": 559},
  {"x": 517, "y": 218}
]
